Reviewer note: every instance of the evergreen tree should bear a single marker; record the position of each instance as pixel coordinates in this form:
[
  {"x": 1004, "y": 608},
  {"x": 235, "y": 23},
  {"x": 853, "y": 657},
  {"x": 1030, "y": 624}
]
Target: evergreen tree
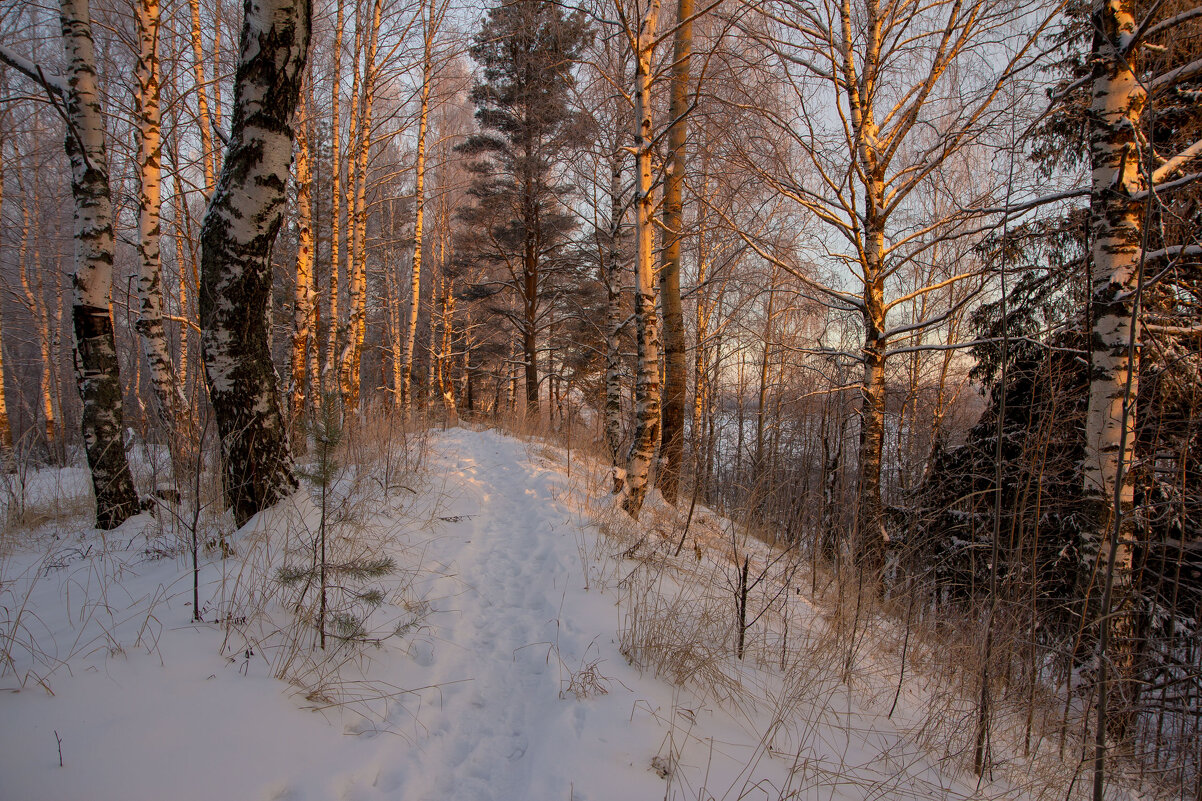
[{"x": 519, "y": 226}]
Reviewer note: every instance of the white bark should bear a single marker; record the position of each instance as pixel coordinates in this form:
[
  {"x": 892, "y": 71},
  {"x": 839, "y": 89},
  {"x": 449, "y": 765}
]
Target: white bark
[
  {"x": 172, "y": 409},
  {"x": 647, "y": 386},
  {"x": 96, "y": 356},
  {"x": 418, "y": 219},
  {"x": 333, "y": 321},
  {"x": 6, "y": 434},
  {"x": 1116, "y": 227},
  {"x": 208, "y": 153},
  {"x": 239, "y": 230}
]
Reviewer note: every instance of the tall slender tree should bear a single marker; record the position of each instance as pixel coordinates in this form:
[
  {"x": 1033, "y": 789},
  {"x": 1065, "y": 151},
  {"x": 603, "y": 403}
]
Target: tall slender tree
[
  {"x": 96, "y": 368},
  {"x": 171, "y": 407},
  {"x": 639, "y": 24},
  {"x": 675, "y": 352}
]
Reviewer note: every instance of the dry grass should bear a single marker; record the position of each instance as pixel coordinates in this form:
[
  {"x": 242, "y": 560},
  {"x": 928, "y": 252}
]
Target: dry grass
[
  {"x": 380, "y": 471},
  {"x": 822, "y": 655}
]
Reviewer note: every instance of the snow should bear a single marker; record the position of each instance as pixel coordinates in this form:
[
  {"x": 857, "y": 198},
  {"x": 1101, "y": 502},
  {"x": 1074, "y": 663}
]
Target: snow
[{"x": 505, "y": 678}]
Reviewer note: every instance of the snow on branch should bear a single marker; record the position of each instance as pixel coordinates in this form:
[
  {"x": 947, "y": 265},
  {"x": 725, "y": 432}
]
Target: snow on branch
[
  {"x": 1164, "y": 25},
  {"x": 1177, "y": 162},
  {"x": 1027, "y": 205},
  {"x": 52, "y": 83},
  {"x": 1183, "y": 73},
  {"x": 1175, "y": 252}
]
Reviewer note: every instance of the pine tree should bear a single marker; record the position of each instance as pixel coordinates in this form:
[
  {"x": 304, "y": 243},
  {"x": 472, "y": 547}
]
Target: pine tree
[
  {"x": 340, "y": 580},
  {"x": 519, "y": 223}
]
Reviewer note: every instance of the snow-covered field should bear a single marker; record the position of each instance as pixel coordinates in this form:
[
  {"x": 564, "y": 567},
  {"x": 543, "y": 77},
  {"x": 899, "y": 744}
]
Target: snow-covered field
[{"x": 501, "y": 676}]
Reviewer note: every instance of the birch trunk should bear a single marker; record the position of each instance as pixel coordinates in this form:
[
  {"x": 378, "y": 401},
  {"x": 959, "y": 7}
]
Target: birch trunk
[
  {"x": 36, "y": 305},
  {"x": 6, "y": 432},
  {"x": 675, "y": 351},
  {"x": 700, "y": 352},
  {"x": 647, "y": 390},
  {"x": 209, "y": 154},
  {"x": 96, "y": 368},
  {"x": 239, "y": 229},
  {"x": 1116, "y": 219},
  {"x": 761, "y": 410},
  {"x": 859, "y": 83},
  {"x": 395, "y": 325},
  {"x": 702, "y": 417},
  {"x": 185, "y": 259},
  {"x": 304, "y": 301},
  {"x": 446, "y": 384},
  {"x": 418, "y": 222},
  {"x": 333, "y": 322},
  {"x": 352, "y": 349},
  {"x": 871, "y": 537},
  {"x": 172, "y": 409},
  {"x": 612, "y": 278}
]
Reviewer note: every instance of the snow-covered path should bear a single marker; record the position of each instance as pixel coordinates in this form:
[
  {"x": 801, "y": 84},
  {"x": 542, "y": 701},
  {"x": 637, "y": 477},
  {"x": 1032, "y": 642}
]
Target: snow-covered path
[
  {"x": 507, "y": 684},
  {"x": 508, "y": 606}
]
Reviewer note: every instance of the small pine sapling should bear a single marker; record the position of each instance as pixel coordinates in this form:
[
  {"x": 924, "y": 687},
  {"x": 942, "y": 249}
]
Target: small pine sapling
[{"x": 342, "y": 579}]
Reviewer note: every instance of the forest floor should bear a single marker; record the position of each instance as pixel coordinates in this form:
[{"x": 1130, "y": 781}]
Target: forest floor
[{"x": 531, "y": 645}]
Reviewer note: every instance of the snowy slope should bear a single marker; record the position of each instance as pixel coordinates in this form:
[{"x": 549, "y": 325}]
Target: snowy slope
[{"x": 506, "y": 683}]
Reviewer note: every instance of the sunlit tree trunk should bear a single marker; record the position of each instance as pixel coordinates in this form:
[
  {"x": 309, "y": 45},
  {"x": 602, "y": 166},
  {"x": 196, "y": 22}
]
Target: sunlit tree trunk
[
  {"x": 395, "y": 328},
  {"x": 208, "y": 153},
  {"x": 185, "y": 260},
  {"x": 871, "y": 538},
  {"x": 333, "y": 321},
  {"x": 36, "y": 305},
  {"x": 446, "y": 383},
  {"x": 675, "y": 352},
  {"x": 239, "y": 230},
  {"x": 304, "y": 303},
  {"x": 352, "y": 349},
  {"x": 172, "y": 409},
  {"x": 6, "y": 433},
  {"x": 701, "y": 414},
  {"x": 647, "y": 389},
  {"x": 1116, "y": 229},
  {"x": 348, "y": 382},
  {"x": 859, "y": 82},
  {"x": 96, "y": 367}
]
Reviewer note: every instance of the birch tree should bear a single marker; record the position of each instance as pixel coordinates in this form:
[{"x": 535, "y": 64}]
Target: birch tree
[
  {"x": 240, "y": 226},
  {"x": 880, "y": 97},
  {"x": 1128, "y": 174},
  {"x": 432, "y": 13},
  {"x": 33, "y": 298},
  {"x": 330, "y": 363},
  {"x": 174, "y": 413},
  {"x": 208, "y": 152},
  {"x": 304, "y": 308},
  {"x": 638, "y": 24},
  {"x": 96, "y": 368},
  {"x": 361, "y": 142},
  {"x": 6, "y": 432}
]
